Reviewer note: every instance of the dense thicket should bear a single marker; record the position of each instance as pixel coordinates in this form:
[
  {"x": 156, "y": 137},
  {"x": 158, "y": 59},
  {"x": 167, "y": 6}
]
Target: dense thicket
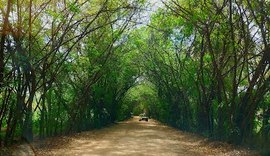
[
  {"x": 62, "y": 64},
  {"x": 210, "y": 63},
  {"x": 198, "y": 65}
]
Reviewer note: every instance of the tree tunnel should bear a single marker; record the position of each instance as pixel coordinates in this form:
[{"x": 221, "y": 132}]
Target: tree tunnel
[{"x": 198, "y": 65}]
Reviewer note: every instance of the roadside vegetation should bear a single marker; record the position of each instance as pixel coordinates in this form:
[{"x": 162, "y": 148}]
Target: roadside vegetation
[{"x": 73, "y": 65}]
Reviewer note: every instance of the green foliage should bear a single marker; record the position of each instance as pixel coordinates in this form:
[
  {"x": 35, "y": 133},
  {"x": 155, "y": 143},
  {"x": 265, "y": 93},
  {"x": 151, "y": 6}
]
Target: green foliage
[
  {"x": 66, "y": 66},
  {"x": 199, "y": 65},
  {"x": 199, "y": 58}
]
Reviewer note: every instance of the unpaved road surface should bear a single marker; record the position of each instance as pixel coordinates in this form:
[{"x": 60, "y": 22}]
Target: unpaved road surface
[{"x": 136, "y": 138}]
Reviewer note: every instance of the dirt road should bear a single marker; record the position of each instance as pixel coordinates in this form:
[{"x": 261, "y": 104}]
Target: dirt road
[{"x": 133, "y": 137}]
